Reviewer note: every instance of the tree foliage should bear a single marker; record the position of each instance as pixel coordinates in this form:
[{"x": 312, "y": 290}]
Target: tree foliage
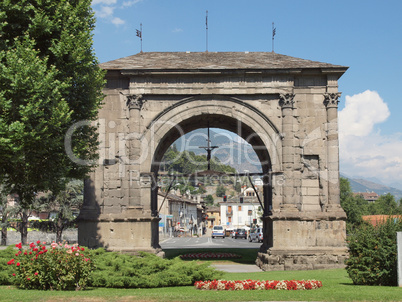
[
  {"x": 188, "y": 162},
  {"x": 209, "y": 199},
  {"x": 373, "y": 253},
  {"x": 220, "y": 191},
  {"x": 49, "y": 80},
  {"x": 65, "y": 203},
  {"x": 355, "y": 207}
]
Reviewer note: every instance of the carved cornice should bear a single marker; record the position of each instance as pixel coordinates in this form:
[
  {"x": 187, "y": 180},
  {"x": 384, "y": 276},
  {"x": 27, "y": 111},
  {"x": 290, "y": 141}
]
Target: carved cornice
[
  {"x": 135, "y": 101},
  {"x": 286, "y": 100},
  {"x": 332, "y": 99}
]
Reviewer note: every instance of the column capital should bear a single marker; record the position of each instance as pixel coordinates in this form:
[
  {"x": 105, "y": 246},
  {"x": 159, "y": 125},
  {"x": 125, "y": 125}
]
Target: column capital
[
  {"x": 135, "y": 101},
  {"x": 331, "y": 100},
  {"x": 286, "y": 100}
]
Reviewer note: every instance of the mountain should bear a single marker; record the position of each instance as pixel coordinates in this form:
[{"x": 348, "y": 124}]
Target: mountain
[
  {"x": 364, "y": 185},
  {"x": 231, "y": 150},
  {"x": 236, "y": 152}
]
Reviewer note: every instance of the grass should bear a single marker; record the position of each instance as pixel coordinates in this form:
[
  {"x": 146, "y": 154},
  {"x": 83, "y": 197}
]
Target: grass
[{"x": 336, "y": 287}]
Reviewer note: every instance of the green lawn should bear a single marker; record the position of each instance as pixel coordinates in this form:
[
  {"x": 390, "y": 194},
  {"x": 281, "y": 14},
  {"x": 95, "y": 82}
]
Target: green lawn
[{"x": 336, "y": 287}]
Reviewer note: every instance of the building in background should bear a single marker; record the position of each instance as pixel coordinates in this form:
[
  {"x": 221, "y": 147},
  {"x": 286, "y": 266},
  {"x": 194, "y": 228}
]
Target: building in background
[{"x": 369, "y": 196}]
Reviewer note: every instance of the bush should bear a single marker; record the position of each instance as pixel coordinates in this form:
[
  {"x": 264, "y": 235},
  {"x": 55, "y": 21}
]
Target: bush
[
  {"x": 373, "y": 254},
  {"x": 6, "y": 270},
  {"x": 61, "y": 268},
  {"x": 146, "y": 271},
  {"x": 112, "y": 269}
]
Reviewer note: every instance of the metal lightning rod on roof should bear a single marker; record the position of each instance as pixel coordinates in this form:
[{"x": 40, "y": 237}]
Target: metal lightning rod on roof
[
  {"x": 273, "y": 35},
  {"x": 139, "y": 34},
  {"x": 206, "y": 24}
]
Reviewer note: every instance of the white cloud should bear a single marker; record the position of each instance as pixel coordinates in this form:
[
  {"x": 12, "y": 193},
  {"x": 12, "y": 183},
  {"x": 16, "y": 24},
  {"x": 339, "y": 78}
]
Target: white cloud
[
  {"x": 117, "y": 21},
  {"x": 362, "y": 111},
  {"x": 177, "y": 30},
  {"x": 105, "y": 12},
  {"x": 130, "y": 3},
  {"x": 107, "y": 2},
  {"x": 364, "y": 151}
]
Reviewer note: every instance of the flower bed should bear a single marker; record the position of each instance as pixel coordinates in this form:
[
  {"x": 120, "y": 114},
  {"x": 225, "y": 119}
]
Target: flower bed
[
  {"x": 258, "y": 285},
  {"x": 59, "y": 268},
  {"x": 209, "y": 255}
]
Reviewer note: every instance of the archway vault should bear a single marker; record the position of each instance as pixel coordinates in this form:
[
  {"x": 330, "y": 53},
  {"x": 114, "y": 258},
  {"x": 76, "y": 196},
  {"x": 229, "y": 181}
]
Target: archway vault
[{"x": 218, "y": 112}]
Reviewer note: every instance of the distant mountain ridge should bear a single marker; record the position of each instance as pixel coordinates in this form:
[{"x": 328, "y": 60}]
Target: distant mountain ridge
[
  {"x": 238, "y": 155},
  {"x": 241, "y": 156},
  {"x": 364, "y": 185}
]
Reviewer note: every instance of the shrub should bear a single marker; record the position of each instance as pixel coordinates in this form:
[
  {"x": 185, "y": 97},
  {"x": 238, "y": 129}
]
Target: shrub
[
  {"x": 373, "y": 254},
  {"x": 112, "y": 270},
  {"x": 63, "y": 267},
  {"x": 6, "y": 270},
  {"x": 146, "y": 271}
]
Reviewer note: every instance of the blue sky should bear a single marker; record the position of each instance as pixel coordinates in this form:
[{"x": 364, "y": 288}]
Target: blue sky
[{"x": 365, "y": 35}]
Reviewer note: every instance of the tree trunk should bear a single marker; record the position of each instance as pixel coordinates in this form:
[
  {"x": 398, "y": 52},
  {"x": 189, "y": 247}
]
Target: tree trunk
[
  {"x": 59, "y": 228},
  {"x": 4, "y": 235},
  {"x": 24, "y": 227},
  {"x": 4, "y": 226}
]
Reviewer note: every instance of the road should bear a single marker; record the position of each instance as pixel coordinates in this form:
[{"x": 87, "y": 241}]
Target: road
[{"x": 206, "y": 242}]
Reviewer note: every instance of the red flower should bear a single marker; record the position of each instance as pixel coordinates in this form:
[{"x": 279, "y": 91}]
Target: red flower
[
  {"x": 10, "y": 262},
  {"x": 18, "y": 264},
  {"x": 14, "y": 274},
  {"x": 82, "y": 249},
  {"x": 43, "y": 247},
  {"x": 25, "y": 253},
  {"x": 32, "y": 245},
  {"x": 19, "y": 245},
  {"x": 38, "y": 242},
  {"x": 36, "y": 273},
  {"x": 28, "y": 278}
]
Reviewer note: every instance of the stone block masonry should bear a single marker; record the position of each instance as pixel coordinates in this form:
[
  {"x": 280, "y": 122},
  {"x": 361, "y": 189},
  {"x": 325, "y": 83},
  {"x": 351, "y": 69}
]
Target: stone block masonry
[{"x": 285, "y": 107}]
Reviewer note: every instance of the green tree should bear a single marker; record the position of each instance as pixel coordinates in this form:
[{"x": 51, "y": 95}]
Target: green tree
[
  {"x": 355, "y": 207},
  {"x": 64, "y": 204},
  {"x": 209, "y": 199},
  {"x": 220, "y": 191},
  {"x": 49, "y": 81},
  {"x": 373, "y": 254},
  {"x": 385, "y": 205},
  {"x": 237, "y": 187}
]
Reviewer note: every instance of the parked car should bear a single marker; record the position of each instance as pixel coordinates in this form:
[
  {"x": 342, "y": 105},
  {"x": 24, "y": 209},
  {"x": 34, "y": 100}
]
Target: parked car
[
  {"x": 241, "y": 233},
  {"x": 256, "y": 234},
  {"x": 218, "y": 231},
  {"x": 233, "y": 233}
]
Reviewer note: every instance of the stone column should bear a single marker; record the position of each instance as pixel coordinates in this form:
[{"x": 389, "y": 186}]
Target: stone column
[
  {"x": 288, "y": 152},
  {"x": 134, "y": 103},
  {"x": 331, "y": 102}
]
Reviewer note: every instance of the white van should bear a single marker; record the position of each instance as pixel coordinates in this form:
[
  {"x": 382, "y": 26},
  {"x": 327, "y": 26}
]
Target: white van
[{"x": 218, "y": 231}]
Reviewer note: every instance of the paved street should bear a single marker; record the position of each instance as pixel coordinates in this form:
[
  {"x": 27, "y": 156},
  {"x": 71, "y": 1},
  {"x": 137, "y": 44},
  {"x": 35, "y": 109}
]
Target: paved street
[{"x": 206, "y": 242}]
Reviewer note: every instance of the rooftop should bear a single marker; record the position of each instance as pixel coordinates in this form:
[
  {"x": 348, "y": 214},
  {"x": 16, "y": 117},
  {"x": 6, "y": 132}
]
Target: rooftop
[{"x": 213, "y": 61}]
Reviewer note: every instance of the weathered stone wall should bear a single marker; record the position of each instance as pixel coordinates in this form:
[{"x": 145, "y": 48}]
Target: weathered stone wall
[
  {"x": 286, "y": 110},
  {"x": 70, "y": 236}
]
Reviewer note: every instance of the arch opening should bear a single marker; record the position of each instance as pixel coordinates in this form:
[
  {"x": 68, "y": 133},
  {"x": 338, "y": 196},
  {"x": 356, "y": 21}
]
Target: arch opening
[{"x": 233, "y": 125}]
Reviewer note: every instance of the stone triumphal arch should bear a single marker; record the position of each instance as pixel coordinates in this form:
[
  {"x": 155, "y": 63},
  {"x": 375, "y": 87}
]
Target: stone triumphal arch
[{"x": 285, "y": 107}]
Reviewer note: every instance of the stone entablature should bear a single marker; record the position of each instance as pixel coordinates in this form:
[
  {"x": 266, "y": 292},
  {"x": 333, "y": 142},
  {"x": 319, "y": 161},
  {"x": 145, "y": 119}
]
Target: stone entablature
[{"x": 285, "y": 107}]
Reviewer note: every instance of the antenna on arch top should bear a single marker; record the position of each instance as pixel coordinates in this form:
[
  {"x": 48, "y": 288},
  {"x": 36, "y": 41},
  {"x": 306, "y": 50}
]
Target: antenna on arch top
[
  {"x": 206, "y": 31},
  {"x": 273, "y": 35},
  {"x": 139, "y": 34}
]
